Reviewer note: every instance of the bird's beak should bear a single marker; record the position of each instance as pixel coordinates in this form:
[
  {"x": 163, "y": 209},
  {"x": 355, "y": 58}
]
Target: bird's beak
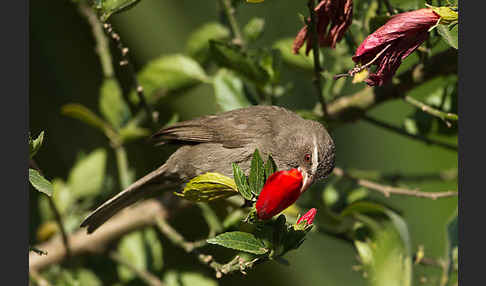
[{"x": 307, "y": 180}]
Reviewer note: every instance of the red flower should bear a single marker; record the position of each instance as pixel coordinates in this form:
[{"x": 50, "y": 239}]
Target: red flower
[
  {"x": 393, "y": 42},
  {"x": 308, "y": 218},
  {"x": 336, "y": 13},
  {"x": 281, "y": 190}
]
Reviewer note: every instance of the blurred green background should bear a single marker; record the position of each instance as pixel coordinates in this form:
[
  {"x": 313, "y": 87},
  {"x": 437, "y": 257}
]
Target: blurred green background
[{"x": 64, "y": 68}]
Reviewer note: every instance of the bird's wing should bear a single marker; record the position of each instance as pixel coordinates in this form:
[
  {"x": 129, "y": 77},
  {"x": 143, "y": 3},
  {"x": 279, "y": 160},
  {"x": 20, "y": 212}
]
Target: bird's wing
[{"x": 233, "y": 129}]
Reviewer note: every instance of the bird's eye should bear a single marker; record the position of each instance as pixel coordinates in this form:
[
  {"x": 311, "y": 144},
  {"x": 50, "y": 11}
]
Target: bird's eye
[{"x": 307, "y": 157}]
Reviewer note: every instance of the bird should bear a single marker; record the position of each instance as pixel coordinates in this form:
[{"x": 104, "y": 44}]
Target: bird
[{"x": 212, "y": 143}]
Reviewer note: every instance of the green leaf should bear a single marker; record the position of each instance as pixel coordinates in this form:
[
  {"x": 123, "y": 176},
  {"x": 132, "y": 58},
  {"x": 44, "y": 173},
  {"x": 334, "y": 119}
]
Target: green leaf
[
  {"x": 232, "y": 57},
  {"x": 85, "y": 115},
  {"x": 131, "y": 248},
  {"x": 271, "y": 62},
  {"x": 169, "y": 73},
  {"x": 198, "y": 43},
  {"x": 257, "y": 173},
  {"x": 270, "y": 167},
  {"x": 209, "y": 187},
  {"x": 254, "y": 29},
  {"x": 297, "y": 60},
  {"x": 110, "y": 7},
  {"x": 34, "y": 145},
  {"x": 241, "y": 241},
  {"x": 241, "y": 182},
  {"x": 87, "y": 277},
  {"x": 449, "y": 36},
  {"x": 39, "y": 182},
  {"x": 62, "y": 197},
  {"x": 112, "y": 105},
  {"x": 86, "y": 177},
  {"x": 228, "y": 90}
]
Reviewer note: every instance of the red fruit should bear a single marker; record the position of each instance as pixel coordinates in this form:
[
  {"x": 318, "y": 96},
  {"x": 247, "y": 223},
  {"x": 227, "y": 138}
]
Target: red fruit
[
  {"x": 308, "y": 217},
  {"x": 281, "y": 190}
]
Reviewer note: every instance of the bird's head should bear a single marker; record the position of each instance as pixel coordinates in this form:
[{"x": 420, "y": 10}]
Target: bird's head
[{"x": 311, "y": 151}]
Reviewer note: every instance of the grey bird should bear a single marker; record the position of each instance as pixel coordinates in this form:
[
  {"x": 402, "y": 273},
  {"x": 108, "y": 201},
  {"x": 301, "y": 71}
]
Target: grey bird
[{"x": 211, "y": 143}]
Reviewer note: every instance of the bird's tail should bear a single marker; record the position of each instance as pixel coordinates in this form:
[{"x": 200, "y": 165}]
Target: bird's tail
[{"x": 135, "y": 192}]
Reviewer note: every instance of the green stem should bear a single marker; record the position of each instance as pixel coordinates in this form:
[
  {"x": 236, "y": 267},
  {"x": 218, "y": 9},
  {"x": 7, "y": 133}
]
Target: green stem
[
  {"x": 312, "y": 27},
  {"x": 122, "y": 164},
  {"x": 235, "y": 28},
  {"x": 432, "y": 111},
  {"x": 102, "y": 44},
  {"x": 405, "y": 133}
]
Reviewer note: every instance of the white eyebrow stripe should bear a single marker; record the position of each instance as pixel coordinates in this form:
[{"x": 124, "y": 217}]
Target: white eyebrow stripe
[{"x": 315, "y": 158}]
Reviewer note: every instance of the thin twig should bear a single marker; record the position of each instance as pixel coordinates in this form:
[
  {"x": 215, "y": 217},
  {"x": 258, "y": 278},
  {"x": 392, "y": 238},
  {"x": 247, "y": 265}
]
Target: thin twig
[
  {"x": 125, "y": 62},
  {"x": 444, "y": 116},
  {"x": 235, "y": 28},
  {"x": 146, "y": 276},
  {"x": 122, "y": 166},
  {"x": 57, "y": 216},
  {"x": 38, "y": 251},
  {"x": 236, "y": 264},
  {"x": 102, "y": 44},
  {"x": 317, "y": 80},
  {"x": 176, "y": 238},
  {"x": 81, "y": 242},
  {"x": 389, "y": 190},
  {"x": 405, "y": 133}
]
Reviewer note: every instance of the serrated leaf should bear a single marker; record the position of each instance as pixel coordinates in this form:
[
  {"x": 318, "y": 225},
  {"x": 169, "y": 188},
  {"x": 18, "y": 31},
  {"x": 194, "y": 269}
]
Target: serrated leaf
[
  {"x": 198, "y": 43},
  {"x": 169, "y": 73},
  {"x": 110, "y": 7},
  {"x": 257, "y": 173},
  {"x": 228, "y": 90},
  {"x": 86, "y": 177},
  {"x": 112, "y": 105},
  {"x": 39, "y": 182},
  {"x": 232, "y": 57},
  {"x": 449, "y": 36},
  {"x": 241, "y": 241},
  {"x": 270, "y": 167},
  {"x": 241, "y": 182},
  {"x": 34, "y": 145},
  {"x": 208, "y": 187},
  {"x": 131, "y": 248},
  {"x": 254, "y": 29}
]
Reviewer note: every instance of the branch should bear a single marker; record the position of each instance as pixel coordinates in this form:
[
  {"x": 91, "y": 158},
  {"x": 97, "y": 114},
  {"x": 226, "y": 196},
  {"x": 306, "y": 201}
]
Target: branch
[
  {"x": 125, "y": 62},
  {"x": 405, "y": 133},
  {"x": 444, "y": 116},
  {"x": 57, "y": 216},
  {"x": 312, "y": 27},
  {"x": 146, "y": 276},
  {"x": 236, "y": 264},
  {"x": 230, "y": 15},
  {"x": 389, "y": 190},
  {"x": 141, "y": 215},
  {"x": 352, "y": 107},
  {"x": 102, "y": 44}
]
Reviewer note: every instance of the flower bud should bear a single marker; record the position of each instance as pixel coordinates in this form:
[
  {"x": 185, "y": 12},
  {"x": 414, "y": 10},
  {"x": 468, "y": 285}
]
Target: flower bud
[
  {"x": 308, "y": 218},
  {"x": 281, "y": 190}
]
